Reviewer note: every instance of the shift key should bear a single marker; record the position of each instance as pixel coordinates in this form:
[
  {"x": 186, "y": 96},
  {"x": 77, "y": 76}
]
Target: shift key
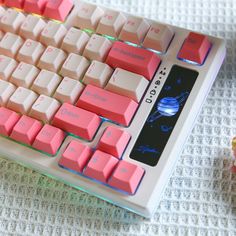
[{"x": 112, "y": 106}]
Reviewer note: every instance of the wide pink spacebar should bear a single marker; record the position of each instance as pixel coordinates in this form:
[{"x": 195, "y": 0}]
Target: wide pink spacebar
[{"x": 112, "y": 106}]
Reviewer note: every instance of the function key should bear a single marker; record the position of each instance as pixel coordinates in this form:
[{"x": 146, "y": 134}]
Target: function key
[
  {"x": 158, "y": 37},
  {"x": 134, "y": 30},
  {"x": 195, "y": 48},
  {"x": 35, "y": 6}
]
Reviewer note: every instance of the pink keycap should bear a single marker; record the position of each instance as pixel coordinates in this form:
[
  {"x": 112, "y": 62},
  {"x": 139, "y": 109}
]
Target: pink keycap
[
  {"x": 35, "y": 6},
  {"x": 49, "y": 139},
  {"x": 76, "y": 156},
  {"x": 126, "y": 177},
  {"x": 100, "y": 166},
  {"x": 114, "y": 141},
  {"x": 8, "y": 119},
  {"x": 107, "y": 104},
  {"x": 134, "y": 59},
  {"x": 77, "y": 121},
  {"x": 58, "y": 9},
  {"x": 14, "y": 3},
  {"x": 26, "y": 129}
]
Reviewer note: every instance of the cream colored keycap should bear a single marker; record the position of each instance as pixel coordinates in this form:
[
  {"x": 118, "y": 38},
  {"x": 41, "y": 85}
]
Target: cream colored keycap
[
  {"x": 52, "y": 59},
  {"x": 7, "y": 66},
  {"x": 68, "y": 90},
  {"x": 134, "y": 30},
  {"x": 30, "y": 52},
  {"x": 32, "y": 27},
  {"x": 127, "y": 84},
  {"x": 44, "y": 108},
  {"x": 158, "y": 37},
  {"x": 11, "y": 20},
  {"x": 22, "y": 100},
  {"x": 88, "y": 16},
  {"x": 75, "y": 41},
  {"x": 24, "y": 75},
  {"x": 98, "y": 74},
  {"x": 75, "y": 66},
  {"x": 6, "y": 90},
  {"x": 97, "y": 48},
  {"x": 111, "y": 23},
  {"x": 10, "y": 44},
  {"x": 53, "y": 34},
  {"x": 46, "y": 82},
  {"x": 1, "y": 35}
]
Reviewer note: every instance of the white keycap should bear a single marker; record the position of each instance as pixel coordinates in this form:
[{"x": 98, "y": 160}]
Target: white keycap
[
  {"x": 75, "y": 41},
  {"x": 7, "y": 66},
  {"x": 97, "y": 48},
  {"x": 1, "y": 35},
  {"x": 88, "y": 16},
  {"x": 52, "y": 59},
  {"x": 134, "y": 30},
  {"x": 11, "y": 20},
  {"x": 6, "y": 90},
  {"x": 30, "y": 52},
  {"x": 24, "y": 75},
  {"x": 10, "y": 44},
  {"x": 75, "y": 66},
  {"x": 127, "y": 84},
  {"x": 44, "y": 108},
  {"x": 46, "y": 82},
  {"x": 111, "y": 23},
  {"x": 22, "y": 100},
  {"x": 2, "y": 11},
  {"x": 53, "y": 34},
  {"x": 158, "y": 37},
  {"x": 32, "y": 27},
  {"x": 68, "y": 90},
  {"x": 98, "y": 74}
]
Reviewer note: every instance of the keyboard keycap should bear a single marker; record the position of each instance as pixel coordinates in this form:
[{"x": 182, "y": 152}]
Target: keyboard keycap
[
  {"x": 88, "y": 16},
  {"x": 14, "y": 3},
  {"x": 69, "y": 90},
  {"x": 8, "y": 119},
  {"x": 44, "y": 108},
  {"x": 26, "y": 129},
  {"x": 114, "y": 141},
  {"x": 126, "y": 177},
  {"x": 137, "y": 60},
  {"x": 97, "y": 48},
  {"x": 111, "y": 23},
  {"x": 76, "y": 156},
  {"x": 134, "y": 30},
  {"x": 77, "y": 121},
  {"x": 195, "y": 48},
  {"x": 100, "y": 166},
  {"x": 35, "y": 6},
  {"x": 115, "y": 107},
  {"x": 158, "y": 37},
  {"x": 49, "y": 139},
  {"x": 58, "y": 9},
  {"x": 98, "y": 74},
  {"x": 7, "y": 66},
  {"x": 127, "y": 84},
  {"x": 6, "y": 90}
]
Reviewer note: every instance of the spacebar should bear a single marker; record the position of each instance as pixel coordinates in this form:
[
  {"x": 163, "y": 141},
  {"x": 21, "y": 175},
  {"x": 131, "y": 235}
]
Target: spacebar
[{"x": 112, "y": 106}]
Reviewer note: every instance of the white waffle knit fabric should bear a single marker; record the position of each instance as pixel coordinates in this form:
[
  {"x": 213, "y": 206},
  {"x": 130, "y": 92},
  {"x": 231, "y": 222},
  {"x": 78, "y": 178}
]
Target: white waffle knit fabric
[{"x": 200, "y": 198}]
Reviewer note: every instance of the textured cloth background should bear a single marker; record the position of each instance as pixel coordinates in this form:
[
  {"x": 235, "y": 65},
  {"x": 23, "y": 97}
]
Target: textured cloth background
[{"x": 200, "y": 198}]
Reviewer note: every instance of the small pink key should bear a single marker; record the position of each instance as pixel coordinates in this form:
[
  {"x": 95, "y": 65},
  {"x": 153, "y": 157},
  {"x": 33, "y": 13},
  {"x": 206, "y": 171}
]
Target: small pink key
[
  {"x": 49, "y": 139},
  {"x": 8, "y": 119},
  {"x": 100, "y": 166},
  {"x": 35, "y": 6},
  {"x": 126, "y": 177},
  {"x": 77, "y": 121},
  {"x": 58, "y": 9},
  {"x": 26, "y": 129},
  {"x": 114, "y": 141},
  {"x": 76, "y": 156},
  {"x": 14, "y": 3}
]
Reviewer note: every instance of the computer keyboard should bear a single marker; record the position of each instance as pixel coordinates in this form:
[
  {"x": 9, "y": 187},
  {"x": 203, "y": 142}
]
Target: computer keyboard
[{"x": 100, "y": 99}]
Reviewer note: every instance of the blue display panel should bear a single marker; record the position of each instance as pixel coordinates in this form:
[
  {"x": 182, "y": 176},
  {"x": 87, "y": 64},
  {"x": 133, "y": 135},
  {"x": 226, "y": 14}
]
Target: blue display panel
[{"x": 164, "y": 115}]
